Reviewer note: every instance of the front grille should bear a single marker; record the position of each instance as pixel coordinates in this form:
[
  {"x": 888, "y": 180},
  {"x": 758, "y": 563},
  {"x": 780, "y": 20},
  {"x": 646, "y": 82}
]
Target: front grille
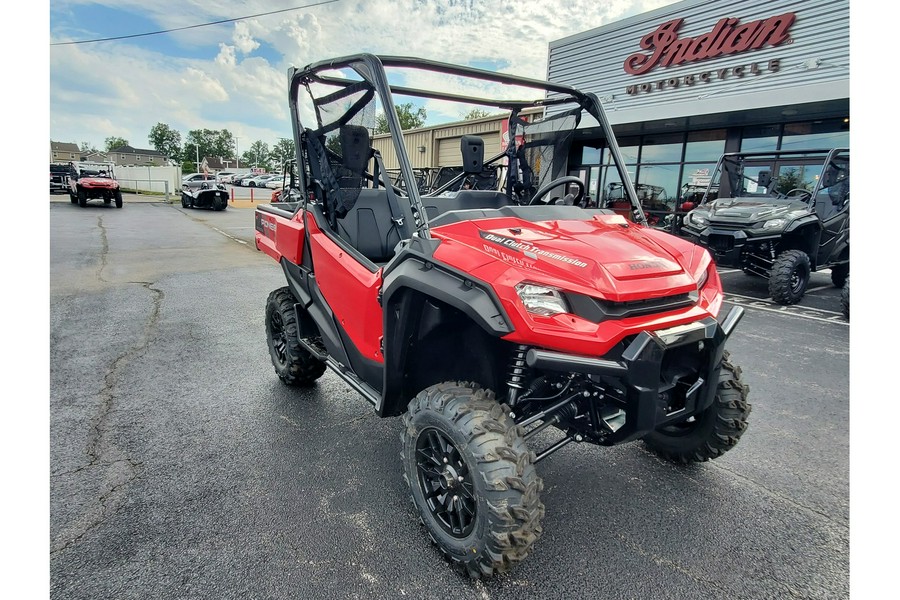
[
  {"x": 721, "y": 243},
  {"x": 597, "y": 310}
]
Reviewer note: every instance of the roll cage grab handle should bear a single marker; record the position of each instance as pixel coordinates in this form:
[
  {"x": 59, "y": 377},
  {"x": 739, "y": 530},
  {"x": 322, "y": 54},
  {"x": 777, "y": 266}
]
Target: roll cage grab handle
[{"x": 371, "y": 68}]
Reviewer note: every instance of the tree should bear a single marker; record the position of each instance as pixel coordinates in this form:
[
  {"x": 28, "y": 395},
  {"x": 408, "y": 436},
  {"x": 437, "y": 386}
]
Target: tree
[
  {"x": 165, "y": 140},
  {"x": 410, "y": 116},
  {"x": 258, "y": 155},
  {"x": 475, "y": 113},
  {"x": 113, "y": 142},
  {"x": 87, "y": 148},
  {"x": 207, "y": 142},
  {"x": 284, "y": 149}
]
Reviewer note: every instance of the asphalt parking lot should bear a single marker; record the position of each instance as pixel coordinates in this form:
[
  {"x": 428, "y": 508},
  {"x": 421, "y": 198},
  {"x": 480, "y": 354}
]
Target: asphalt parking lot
[{"x": 180, "y": 467}]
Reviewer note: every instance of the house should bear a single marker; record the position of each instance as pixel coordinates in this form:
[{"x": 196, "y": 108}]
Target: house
[
  {"x": 218, "y": 163},
  {"x": 64, "y": 152},
  {"x": 127, "y": 156},
  {"x": 96, "y": 157}
]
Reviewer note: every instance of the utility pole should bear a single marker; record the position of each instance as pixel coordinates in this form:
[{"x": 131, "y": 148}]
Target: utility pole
[{"x": 237, "y": 153}]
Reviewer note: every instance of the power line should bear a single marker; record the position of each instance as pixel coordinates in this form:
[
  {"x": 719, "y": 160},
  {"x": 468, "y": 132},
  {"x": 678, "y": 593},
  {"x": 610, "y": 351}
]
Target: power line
[{"x": 125, "y": 37}]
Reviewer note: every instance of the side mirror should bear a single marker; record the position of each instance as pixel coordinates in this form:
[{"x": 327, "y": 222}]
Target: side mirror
[
  {"x": 472, "y": 148},
  {"x": 765, "y": 178}
]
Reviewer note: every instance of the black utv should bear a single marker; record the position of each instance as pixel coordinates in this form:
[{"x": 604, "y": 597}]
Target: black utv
[{"x": 778, "y": 215}]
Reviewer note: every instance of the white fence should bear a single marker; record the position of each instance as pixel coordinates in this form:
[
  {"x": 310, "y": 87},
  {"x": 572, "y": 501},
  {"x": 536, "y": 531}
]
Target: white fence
[{"x": 163, "y": 180}]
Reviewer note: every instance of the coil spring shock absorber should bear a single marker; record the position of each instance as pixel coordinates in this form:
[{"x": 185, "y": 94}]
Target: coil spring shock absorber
[{"x": 516, "y": 374}]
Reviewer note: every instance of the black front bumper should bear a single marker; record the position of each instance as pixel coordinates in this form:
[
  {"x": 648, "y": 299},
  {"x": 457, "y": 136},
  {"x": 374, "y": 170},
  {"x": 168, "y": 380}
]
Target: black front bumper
[
  {"x": 641, "y": 374},
  {"x": 727, "y": 246}
]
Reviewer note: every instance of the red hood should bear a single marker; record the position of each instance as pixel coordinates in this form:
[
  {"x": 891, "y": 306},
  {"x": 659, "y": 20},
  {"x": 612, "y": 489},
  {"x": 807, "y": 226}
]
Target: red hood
[
  {"x": 605, "y": 256},
  {"x": 99, "y": 182}
]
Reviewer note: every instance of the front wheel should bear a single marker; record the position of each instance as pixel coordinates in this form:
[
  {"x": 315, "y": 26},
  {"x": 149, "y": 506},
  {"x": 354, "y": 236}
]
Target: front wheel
[
  {"x": 294, "y": 364},
  {"x": 118, "y": 199},
  {"x": 714, "y": 431},
  {"x": 789, "y": 277},
  {"x": 82, "y": 198},
  {"x": 471, "y": 477}
]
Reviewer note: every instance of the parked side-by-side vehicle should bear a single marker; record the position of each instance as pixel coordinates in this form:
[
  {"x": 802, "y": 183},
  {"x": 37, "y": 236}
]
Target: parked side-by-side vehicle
[{"x": 489, "y": 319}]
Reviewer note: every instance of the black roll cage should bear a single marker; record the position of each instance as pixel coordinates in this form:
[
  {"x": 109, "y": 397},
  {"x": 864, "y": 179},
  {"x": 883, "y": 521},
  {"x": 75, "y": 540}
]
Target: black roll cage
[{"x": 371, "y": 69}]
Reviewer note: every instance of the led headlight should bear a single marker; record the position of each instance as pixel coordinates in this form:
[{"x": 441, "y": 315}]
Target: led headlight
[
  {"x": 774, "y": 224},
  {"x": 697, "y": 219},
  {"x": 541, "y": 300}
]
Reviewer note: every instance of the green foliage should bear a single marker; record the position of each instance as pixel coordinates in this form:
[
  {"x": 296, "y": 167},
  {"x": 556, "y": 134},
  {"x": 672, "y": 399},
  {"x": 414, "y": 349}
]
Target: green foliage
[
  {"x": 165, "y": 140},
  {"x": 259, "y": 155},
  {"x": 410, "y": 116},
  {"x": 208, "y": 142},
  {"x": 88, "y": 148},
  {"x": 284, "y": 150},
  {"x": 791, "y": 179},
  {"x": 475, "y": 113},
  {"x": 113, "y": 142}
]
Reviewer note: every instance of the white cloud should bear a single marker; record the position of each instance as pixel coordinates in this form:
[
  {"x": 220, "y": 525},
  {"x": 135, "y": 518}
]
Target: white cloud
[{"x": 234, "y": 76}]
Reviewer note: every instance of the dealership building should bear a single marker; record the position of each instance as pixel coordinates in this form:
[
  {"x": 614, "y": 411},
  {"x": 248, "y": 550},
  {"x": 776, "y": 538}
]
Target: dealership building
[{"x": 685, "y": 83}]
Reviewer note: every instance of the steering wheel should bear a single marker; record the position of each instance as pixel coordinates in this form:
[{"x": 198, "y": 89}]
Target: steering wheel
[
  {"x": 800, "y": 193},
  {"x": 569, "y": 198}
]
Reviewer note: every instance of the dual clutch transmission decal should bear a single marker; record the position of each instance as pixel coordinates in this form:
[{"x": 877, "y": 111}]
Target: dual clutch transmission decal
[{"x": 529, "y": 250}]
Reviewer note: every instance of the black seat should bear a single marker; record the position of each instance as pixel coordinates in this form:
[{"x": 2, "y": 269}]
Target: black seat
[{"x": 368, "y": 226}]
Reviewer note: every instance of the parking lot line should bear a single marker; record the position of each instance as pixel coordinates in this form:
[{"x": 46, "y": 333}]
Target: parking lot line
[{"x": 803, "y": 312}]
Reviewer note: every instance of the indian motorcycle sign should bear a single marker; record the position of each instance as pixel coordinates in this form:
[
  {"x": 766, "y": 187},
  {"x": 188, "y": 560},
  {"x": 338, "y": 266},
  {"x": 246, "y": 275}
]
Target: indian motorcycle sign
[{"x": 663, "y": 48}]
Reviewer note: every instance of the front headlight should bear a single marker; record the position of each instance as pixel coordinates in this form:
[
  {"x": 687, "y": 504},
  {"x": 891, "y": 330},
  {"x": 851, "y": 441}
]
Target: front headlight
[
  {"x": 541, "y": 300},
  {"x": 697, "y": 219},
  {"x": 774, "y": 224}
]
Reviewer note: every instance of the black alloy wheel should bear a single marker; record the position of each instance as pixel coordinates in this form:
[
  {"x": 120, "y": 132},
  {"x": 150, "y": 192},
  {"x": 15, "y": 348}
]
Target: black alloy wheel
[
  {"x": 446, "y": 483},
  {"x": 293, "y": 364},
  {"x": 471, "y": 477}
]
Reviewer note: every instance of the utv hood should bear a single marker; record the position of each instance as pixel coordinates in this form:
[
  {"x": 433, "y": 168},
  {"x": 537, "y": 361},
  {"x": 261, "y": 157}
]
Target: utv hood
[
  {"x": 604, "y": 256},
  {"x": 752, "y": 210},
  {"x": 98, "y": 182}
]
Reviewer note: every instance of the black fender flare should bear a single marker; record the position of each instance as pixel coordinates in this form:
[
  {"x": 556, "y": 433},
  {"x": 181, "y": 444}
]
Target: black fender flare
[{"x": 428, "y": 279}]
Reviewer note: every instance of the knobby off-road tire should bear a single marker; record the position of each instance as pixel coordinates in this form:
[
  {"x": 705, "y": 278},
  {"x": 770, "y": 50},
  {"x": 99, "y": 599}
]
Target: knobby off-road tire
[
  {"x": 294, "y": 365},
  {"x": 118, "y": 199},
  {"x": 82, "y": 198},
  {"x": 789, "y": 277},
  {"x": 845, "y": 299},
  {"x": 471, "y": 478},
  {"x": 73, "y": 198},
  {"x": 713, "y": 432},
  {"x": 839, "y": 274}
]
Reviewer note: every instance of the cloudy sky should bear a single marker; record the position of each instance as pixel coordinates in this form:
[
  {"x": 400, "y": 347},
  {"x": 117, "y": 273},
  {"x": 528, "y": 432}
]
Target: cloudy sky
[{"x": 233, "y": 75}]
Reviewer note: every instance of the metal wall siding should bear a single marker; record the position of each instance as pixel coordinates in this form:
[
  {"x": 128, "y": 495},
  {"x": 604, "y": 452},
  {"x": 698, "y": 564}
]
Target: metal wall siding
[{"x": 593, "y": 61}]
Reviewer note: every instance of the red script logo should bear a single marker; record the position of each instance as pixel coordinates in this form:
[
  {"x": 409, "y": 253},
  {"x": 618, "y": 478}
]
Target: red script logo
[{"x": 666, "y": 49}]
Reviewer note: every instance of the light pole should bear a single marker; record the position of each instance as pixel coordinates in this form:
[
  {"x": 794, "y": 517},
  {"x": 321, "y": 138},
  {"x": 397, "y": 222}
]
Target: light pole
[{"x": 237, "y": 153}]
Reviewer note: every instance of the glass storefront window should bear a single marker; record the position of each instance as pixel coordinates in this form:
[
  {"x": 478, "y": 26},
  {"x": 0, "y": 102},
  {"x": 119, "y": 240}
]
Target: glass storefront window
[
  {"x": 590, "y": 156},
  {"x": 705, "y": 145},
  {"x": 694, "y": 182},
  {"x": 662, "y": 148},
  {"x": 657, "y": 191},
  {"x": 825, "y": 134},
  {"x": 629, "y": 148},
  {"x": 762, "y": 138}
]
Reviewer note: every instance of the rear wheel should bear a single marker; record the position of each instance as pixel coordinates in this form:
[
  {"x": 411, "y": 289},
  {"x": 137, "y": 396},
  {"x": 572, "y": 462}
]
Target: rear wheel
[
  {"x": 839, "y": 274},
  {"x": 294, "y": 364},
  {"x": 220, "y": 203},
  {"x": 471, "y": 477},
  {"x": 118, "y": 199},
  {"x": 789, "y": 277},
  {"x": 711, "y": 433}
]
